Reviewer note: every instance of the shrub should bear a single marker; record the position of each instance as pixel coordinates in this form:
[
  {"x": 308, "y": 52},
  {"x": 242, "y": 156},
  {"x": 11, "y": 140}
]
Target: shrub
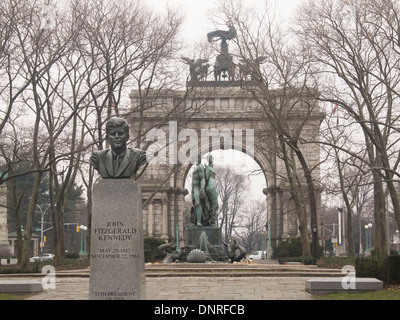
[
  {"x": 308, "y": 260},
  {"x": 386, "y": 269},
  {"x": 14, "y": 270},
  {"x": 289, "y": 248},
  {"x": 151, "y": 253},
  {"x": 335, "y": 262},
  {"x": 391, "y": 269},
  {"x": 72, "y": 255}
]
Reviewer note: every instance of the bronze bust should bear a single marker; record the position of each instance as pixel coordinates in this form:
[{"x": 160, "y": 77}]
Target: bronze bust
[{"x": 118, "y": 162}]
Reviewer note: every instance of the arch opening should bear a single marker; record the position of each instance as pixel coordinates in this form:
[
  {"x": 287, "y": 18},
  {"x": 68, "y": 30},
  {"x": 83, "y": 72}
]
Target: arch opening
[{"x": 242, "y": 213}]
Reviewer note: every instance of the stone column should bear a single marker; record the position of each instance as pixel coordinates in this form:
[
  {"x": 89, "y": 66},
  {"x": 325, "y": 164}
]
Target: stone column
[
  {"x": 181, "y": 214},
  {"x": 117, "y": 254},
  {"x": 150, "y": 220},
  {"x": 164, "y": 235}
]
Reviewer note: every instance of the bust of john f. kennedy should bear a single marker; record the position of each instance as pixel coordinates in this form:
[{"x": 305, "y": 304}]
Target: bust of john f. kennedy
[{"x": 118, "y": 162}]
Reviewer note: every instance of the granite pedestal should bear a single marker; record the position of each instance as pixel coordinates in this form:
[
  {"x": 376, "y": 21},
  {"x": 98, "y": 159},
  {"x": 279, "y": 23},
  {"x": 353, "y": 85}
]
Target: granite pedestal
[
  {"x": 330, "y": 285},
  {"x": 20, "y": 286},
  {"x": 116, "y": 252}
]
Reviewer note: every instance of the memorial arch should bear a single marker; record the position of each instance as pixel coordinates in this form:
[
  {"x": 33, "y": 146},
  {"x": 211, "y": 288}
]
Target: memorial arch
[{"x": 214, "y": 107}]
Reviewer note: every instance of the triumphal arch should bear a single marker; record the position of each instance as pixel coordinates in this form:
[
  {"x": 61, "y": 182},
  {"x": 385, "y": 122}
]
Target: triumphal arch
[{"x": 221, "y": 113}]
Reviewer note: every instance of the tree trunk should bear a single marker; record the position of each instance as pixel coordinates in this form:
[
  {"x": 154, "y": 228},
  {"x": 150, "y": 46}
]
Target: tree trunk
[
  {"x": 297, "y": 196},
  {"x": 16, "y": 205},
  {"x": 26, "y": 251},
  {"x": 60, "y": 250},
  {"x": 311, "y": 198},
  {"x": 378, "y": 214},
  {"x": 350, "y": 240},
  {"x": 395, "y": 202}
]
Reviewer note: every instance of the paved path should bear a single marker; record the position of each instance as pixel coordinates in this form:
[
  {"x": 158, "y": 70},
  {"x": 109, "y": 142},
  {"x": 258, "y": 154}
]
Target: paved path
[{"x": 193, "y": 288}]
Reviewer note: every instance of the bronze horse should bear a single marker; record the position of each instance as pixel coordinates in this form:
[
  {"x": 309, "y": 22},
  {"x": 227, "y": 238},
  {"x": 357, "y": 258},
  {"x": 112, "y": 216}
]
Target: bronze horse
[
  {"x": 224, "y": 67},
  {"x": 224, "y": 64}
]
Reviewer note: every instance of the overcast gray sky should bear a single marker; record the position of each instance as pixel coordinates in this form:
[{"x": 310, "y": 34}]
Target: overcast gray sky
[{"x": 198, "y": 24}]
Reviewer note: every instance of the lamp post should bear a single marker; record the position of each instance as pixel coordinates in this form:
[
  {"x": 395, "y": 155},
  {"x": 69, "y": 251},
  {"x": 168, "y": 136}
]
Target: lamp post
[
  {"x": 342, "y": 228},
  {"x": 370, "y": 236},
  {"x": 368, "y": 242},
  {"x": 263, "y": 250},
  {"x": 397, "y": 232},
  {"x": 314, "y": 229},
  {"x": 42, "y": 214},
  {"x": 83, "y": 239},
  {"x": 262, "y": 246}
]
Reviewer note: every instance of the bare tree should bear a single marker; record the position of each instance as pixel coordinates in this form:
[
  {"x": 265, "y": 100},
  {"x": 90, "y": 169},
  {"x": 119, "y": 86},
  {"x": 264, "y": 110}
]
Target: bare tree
[
  {"x": 231, "y": 189},
  {"x": 40, "y": 49},
  {"x": 346, "y": 170},
  {"x": 70, "y": 78},
  {"x": 252, "y": 228},
  {"x": 15, "y": 149},
  {"x": 12, "y": 13},
  {"x": 355, "y": 43}
]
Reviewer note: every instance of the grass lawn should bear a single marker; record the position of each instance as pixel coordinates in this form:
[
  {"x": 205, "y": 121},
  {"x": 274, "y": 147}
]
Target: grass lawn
[
  {"x": 391, "y": 293},
  {"x": 4, "y": 296}
]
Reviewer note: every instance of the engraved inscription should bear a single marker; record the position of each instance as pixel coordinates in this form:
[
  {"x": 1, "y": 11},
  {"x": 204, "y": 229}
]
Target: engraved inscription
[
  {"x": 114, "y": 295},
  {"x": 114, "y": 230}
]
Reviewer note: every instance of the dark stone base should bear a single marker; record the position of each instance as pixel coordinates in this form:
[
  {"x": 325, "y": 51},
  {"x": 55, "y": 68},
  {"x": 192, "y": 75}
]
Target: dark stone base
[
  {"x": 212, "y": 233},
  {"x": 216, "y": 249}
]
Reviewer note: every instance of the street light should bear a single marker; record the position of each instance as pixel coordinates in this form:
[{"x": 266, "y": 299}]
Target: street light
[
  {"x": 366, "y": 239},
  {"x": 42, "y": 214},
  {"x": 368, "y": 244},
  {"x": 83, "y": 238},
  {"x": 340, "y": 212},
  {"x": 314, "y": 229},
  {"x": 262, "y": 246},
  {"x": 370, "y": 236}
]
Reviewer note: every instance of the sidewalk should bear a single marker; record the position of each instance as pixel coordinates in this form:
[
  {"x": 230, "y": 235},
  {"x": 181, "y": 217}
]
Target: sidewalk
[{"x": 193, "y": 288}]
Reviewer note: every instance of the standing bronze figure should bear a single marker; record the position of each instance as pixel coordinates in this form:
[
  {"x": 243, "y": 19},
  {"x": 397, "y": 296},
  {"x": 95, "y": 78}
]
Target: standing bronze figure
[{"x": 204, "y": 194}]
